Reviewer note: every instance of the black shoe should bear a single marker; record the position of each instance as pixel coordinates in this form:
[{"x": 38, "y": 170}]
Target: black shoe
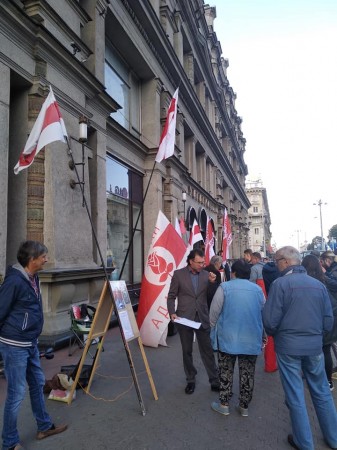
[
  {"x": 291, "y": 442},
  {"x": 189, "y": 389},
  {"x": 215, "y": 387}
]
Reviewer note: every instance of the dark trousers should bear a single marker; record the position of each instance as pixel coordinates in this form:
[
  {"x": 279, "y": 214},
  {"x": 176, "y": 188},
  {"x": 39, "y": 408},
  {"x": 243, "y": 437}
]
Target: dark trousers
[
  {"x": 206, "y": 352},
  {"x": 246, "y": 376},
  {"x": 327, "y": 360}
]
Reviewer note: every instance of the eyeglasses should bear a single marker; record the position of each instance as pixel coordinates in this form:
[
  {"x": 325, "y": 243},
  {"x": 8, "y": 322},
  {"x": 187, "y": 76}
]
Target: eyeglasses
[
  {"x": 201, "y": 263},
  {"x": 279, "y": 259}
]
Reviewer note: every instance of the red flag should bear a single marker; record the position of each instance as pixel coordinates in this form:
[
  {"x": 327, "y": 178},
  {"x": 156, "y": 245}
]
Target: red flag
[
  {"x": 49, "y": 127},
  {"x": 226, "y": 236},
  {"x": 167, "y": 253},
  {"x": 195, "y": 234},
  {"x": 209, "y": 243},
  {"x": 167, "y": 140}
]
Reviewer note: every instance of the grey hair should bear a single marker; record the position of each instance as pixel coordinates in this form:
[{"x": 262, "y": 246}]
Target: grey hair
[
  {"x": 290, "y": 253},
  {"x": 216, "y": 259}
]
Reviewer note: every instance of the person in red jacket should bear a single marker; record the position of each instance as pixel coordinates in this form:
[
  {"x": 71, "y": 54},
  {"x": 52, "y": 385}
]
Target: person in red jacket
[{"x": 269, "y": 273}]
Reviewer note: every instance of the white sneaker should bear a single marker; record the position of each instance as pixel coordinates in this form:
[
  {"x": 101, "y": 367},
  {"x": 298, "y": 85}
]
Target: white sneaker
[
  {"x": 242, "y": 411},
  {"x": 332, "y": 387}
]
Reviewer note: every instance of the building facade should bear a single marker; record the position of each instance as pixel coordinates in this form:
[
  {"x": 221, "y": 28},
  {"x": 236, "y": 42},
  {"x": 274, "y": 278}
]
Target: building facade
[
  {"x": 117, "y": 63},
  {"x": 259, "y": 236}
]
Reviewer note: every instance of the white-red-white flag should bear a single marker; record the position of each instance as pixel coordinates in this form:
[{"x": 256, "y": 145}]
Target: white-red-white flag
[
  {"x": 177, "y": 227},
  {"x": 209, "y": 242},
  {"x": 49, "y": 127},
  {"x": 168, "y": 136},
  {"x": 183, "y": 230},
  {"x": 167, "y": 253},
  {"x": 226, "y": 236},
  {"x": 195, "y": 234}
]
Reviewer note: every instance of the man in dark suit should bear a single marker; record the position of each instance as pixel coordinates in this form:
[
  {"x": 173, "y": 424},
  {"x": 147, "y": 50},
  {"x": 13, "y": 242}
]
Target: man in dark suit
[{"x": 189, "y": 286}]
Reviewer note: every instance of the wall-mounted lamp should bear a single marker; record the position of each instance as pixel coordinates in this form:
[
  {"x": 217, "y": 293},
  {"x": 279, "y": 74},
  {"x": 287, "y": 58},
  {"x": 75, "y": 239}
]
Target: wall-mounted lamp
[
  {"x": 184, "y": 202},
  {"x": 83, "y": 137},
  {"x": 83, "y": 122}
]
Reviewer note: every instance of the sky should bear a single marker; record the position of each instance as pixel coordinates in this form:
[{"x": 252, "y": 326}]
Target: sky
[{"x": 283, "y": 68}]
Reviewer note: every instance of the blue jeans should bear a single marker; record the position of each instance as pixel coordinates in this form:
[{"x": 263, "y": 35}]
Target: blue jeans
[
  {"x": 21, "y": 365},
  {"x": 312, "y": 367}
]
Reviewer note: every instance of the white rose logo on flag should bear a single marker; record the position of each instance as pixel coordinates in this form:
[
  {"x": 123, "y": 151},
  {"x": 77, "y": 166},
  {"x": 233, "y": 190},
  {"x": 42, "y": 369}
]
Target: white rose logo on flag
[
  {"x": 160, "y": 265},
  {"x": 167, "y": 253}
]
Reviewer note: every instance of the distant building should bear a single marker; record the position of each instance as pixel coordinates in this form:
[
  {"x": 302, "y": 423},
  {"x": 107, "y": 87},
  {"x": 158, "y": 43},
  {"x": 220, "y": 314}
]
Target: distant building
[{"x": 259, "y": 236}]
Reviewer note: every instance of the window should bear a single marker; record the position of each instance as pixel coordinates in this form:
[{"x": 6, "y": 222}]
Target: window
[
  {"x": 255, "y": 209},
  {"x": 124, "y": 200},
  {"x": 124, "y": 87},
  {"x": 256, "y": 230}
]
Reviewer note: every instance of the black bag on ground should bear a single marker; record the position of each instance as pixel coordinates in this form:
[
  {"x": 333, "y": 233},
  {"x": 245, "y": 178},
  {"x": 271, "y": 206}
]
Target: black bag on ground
[{"x": 71, "y": 371}]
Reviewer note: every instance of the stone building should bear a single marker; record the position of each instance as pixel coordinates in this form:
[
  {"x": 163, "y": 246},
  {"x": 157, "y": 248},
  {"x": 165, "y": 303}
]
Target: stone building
[
  {"x": 259, "y": 239},
  {"x": 117, "y": 63}
]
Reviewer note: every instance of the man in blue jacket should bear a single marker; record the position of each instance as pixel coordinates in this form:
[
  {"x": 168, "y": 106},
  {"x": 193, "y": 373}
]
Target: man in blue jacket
[
  {"x": 297, "y": 313},
  {"x": 21, "y": 322}
]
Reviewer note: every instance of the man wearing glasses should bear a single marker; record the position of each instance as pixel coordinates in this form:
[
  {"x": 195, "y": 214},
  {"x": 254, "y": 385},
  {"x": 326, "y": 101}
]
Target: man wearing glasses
[
  {"x": 297, "y": 313},
  {"x": 189, "y": 286}
]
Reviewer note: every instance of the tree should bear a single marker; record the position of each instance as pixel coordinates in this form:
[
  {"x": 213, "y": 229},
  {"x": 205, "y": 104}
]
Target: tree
[
  {"x": 317, "y": 241},
  {"x": 333, "y": 231}
]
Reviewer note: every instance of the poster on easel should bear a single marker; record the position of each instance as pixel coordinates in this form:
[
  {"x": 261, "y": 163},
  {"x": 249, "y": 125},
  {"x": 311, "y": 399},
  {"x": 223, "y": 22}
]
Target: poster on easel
[{"x": 125, "y": 310}]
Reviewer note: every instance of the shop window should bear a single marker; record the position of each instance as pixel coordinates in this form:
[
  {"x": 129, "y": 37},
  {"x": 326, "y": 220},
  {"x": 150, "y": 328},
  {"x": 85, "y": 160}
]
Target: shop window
[{"x": 124, "y": 199}]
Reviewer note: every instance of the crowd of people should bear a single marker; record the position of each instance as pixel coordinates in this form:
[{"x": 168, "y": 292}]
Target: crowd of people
[{"x": 286, "y": 308}]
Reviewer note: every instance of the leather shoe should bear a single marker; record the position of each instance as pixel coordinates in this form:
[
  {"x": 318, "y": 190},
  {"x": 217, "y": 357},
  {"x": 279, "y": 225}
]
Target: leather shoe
[
  {"x": 291, "y": 442},
  {"x": 189, "y": 389},
  {"x": 215, "y": 387},
  {"x": 53, "y": 430}
]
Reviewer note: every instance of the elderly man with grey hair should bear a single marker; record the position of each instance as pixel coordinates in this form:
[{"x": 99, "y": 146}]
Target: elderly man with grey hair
[
  {"x": 21, "y": 322},
  {"x": 214, "y": 266},
  {"x": 297, "y": 313}
]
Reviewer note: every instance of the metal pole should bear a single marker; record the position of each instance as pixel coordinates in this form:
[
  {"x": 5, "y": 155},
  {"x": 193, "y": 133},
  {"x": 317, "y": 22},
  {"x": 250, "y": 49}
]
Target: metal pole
[{"x": 320, "y": 216}]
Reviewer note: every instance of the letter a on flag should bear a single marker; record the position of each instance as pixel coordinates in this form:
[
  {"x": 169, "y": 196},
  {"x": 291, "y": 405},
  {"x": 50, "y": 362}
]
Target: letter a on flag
[
  {"x": 167, "y": 253},
  {"x": 49, "y": 127},
  {"x": 167, "y": 140}
]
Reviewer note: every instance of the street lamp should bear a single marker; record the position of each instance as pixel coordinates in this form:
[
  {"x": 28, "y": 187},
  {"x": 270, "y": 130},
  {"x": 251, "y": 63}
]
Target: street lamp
[
  {"x": 83, "y": 138},
  {"x": 319, "y": 204},
  {"x": 184, "y": 202}
]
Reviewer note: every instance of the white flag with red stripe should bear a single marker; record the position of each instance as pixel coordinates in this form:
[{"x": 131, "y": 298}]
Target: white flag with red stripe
[
  {"x": 209, "y": 243},
  {"x": 49, "y": 127},
  {"x": 168, "y": 136},
  {"x": 226, "y": 236},
  {"x": 183, "y": 230},
  {"x": 195, "y": 234},
  {"x": 177, "y": 227},
  {"x": 167, "y": 253}
]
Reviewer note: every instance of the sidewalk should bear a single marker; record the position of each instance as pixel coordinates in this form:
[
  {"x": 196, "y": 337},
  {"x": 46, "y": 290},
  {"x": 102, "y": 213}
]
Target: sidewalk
[{"x": 110, "y": 416}]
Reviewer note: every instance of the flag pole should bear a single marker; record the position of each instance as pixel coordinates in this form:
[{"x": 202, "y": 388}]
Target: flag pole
[
  {"x": 126, "y": 346},
  {"x": 169, "y": 127},
  {"x": 135, "y": 227}
]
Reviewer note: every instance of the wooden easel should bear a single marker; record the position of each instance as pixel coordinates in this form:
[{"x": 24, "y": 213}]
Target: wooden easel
[{"x": 99, "y": 328}]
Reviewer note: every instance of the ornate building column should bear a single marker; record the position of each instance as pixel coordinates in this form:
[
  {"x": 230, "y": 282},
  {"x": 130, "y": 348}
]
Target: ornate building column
[{"x": 4, "y": 143}]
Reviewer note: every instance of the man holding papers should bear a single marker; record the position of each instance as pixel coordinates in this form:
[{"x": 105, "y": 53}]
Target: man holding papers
[{"x": 189, "y": 287}]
